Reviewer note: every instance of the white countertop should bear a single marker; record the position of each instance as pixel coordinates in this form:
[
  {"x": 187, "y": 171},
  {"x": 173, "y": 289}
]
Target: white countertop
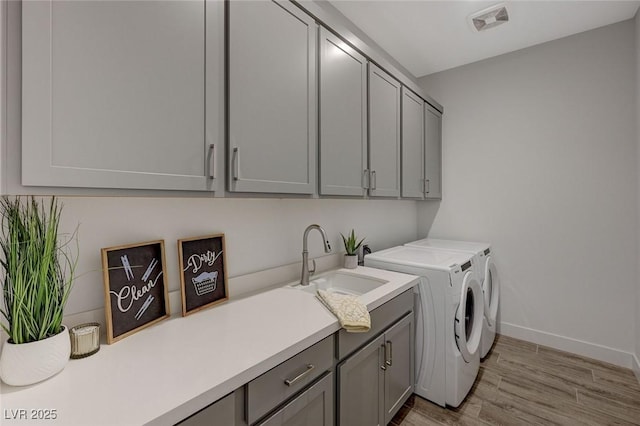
[{"x": 167, "y": 372}]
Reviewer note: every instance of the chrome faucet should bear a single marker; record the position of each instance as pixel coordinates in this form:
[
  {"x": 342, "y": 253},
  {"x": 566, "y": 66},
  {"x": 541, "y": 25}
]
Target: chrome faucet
[{"x": 305, "y": 253}]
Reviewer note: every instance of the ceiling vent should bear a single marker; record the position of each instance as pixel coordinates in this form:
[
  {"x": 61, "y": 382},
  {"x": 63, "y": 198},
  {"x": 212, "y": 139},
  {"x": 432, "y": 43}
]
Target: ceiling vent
[{"x": 489, "y": 18}]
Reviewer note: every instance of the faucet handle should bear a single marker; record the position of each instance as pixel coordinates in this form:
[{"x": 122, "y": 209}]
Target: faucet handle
[{"x": 312, "y": 270}]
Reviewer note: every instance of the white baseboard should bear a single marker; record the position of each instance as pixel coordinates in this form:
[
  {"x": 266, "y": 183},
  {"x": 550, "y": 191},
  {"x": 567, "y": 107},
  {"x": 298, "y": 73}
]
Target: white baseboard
[
  {"x": 590, "y": 350},
  {"x": 636, "y": 367}
]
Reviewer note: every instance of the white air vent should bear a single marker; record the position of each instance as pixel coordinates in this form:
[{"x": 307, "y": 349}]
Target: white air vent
[{"x": 489, "y": 18}]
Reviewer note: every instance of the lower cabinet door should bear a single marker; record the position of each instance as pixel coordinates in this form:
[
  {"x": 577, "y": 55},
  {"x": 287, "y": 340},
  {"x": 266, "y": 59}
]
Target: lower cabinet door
[
  {"x": 313, "y": 407},
  {"x": 398, "y": 381},
  {"x": 361, "y": 386}
]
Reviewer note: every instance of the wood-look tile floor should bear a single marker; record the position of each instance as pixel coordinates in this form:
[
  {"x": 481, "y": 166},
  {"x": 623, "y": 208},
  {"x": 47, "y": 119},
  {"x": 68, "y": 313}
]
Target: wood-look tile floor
[{"x": 521, "y": 383}]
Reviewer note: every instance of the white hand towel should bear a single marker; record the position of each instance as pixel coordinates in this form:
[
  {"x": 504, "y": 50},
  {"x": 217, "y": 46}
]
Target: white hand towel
[{"x": 352, "y": 314}]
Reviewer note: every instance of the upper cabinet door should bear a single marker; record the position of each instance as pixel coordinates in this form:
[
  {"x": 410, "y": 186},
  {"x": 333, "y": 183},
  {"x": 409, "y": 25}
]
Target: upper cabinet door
[
  {"x": 114, "y": 94},
  {"x": 272, "y": 98},
  {"x": 412, "y": 145},
  {"x": 384, "y": 133},
  {"x": 433, "y": 152},
  {"x": 343, "y": 117}
]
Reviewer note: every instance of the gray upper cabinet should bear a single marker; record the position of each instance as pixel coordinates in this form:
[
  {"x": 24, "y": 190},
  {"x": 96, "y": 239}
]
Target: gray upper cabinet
[
  {"x": 343, "y": 117},
  {"x": 433, "y": 152},
  {"x": 272, "y": 98},
  {"x": 413, "y": 184},
  {"x": 384, "y": 133},
  {"x": 123, "y": 94}
]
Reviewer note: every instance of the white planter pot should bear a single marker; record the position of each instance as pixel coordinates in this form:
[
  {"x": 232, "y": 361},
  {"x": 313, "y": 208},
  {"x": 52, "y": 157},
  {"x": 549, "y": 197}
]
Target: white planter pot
[
  {"x": 33, "y": 362},
  {"x": 351, "y": 261}
]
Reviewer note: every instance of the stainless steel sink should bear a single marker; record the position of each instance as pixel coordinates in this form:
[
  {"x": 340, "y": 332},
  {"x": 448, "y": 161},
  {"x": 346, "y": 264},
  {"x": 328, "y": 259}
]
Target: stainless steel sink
[{"x": 342, "y": 283}]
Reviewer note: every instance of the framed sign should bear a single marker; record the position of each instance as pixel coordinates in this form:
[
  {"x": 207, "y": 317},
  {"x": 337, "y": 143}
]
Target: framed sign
[
  {"x": 134, "y": 288},
  {"x": 203, "y": 276}
]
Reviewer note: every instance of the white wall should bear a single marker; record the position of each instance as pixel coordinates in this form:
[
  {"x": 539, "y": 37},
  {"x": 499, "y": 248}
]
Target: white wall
[
  {"x": 259, "y": 233},
  {"x": 539, "y": 158},
  {"x": 636, "y": 365},
  {"x": 3, "y": 88}
]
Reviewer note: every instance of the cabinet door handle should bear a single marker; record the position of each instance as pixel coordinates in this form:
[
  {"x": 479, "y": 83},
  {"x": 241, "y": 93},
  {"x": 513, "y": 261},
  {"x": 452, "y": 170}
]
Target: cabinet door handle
[
  {"x": 373, "y": 179},
  {"x": 382, "y": 348},
  {"x": 426, "y": 186},
  {"x": 388, "y": 353},
  {"x": 365, "y": 179},
  {"x": 212, "y": 161},
  {"x": 236, "y": 163},
  {"x": 290, "y": 382}
]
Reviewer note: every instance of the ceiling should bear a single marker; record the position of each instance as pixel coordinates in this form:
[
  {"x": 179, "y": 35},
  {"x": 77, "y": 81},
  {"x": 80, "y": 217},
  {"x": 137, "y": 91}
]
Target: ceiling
[{"x": 428, "y": 36}]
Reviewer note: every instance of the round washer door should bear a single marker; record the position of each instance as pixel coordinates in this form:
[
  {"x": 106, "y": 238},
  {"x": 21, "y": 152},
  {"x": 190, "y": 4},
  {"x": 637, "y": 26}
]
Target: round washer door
[
  {"x": 491, "y": 290},
  {"x": 468, "y": 321}
]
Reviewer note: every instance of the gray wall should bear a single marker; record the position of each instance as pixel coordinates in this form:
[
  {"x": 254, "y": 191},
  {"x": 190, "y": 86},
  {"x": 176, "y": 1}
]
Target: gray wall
[{"x": 539, "y": 158}]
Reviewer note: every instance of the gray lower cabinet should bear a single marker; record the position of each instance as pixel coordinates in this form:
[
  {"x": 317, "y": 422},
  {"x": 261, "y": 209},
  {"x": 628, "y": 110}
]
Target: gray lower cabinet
[
  {"x": 433, "y": 152},
  {"x": 123, "y": 94},
  {"x": 272, "y": 98},
  {"x": 399, "y": 360},
  {"x": 361, "y": 386},
  {"x": 313, "y": 407},
  {"x": 343, "y": 117},
  {"x": 372, "y": 380},
  {"x": 384, "y": 134},
  {"x": 377, "y": 379},
  {"x": 413, "y": 143},
  {"x": 221, "y": 413},
  {"x": 278, "y": 385}
]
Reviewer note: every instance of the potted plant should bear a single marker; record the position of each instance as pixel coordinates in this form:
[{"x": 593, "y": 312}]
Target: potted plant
[
  {"x": 37, "y": 274},
  {"x": 351, "y": 246}
]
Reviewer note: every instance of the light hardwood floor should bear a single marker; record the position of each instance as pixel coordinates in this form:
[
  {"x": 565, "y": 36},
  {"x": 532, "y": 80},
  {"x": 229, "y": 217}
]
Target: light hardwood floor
[{"x": 521, "y": 383}]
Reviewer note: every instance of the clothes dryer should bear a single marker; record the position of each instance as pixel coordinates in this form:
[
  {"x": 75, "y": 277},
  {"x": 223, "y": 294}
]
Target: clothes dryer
[
  {"x": 487, "y": 275},
  {"x": 449, "y": 313}
]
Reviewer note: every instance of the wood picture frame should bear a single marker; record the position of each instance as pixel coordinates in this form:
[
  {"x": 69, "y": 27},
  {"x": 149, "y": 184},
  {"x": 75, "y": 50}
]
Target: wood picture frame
[
  {"x": 135, "y": 290},
  {"x": 203, "y": 272}
]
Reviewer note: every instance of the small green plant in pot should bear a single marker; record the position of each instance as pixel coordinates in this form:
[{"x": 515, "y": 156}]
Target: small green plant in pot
[
  {"x": 37, "y": 276},
  {"x": 351, "y": 246}
]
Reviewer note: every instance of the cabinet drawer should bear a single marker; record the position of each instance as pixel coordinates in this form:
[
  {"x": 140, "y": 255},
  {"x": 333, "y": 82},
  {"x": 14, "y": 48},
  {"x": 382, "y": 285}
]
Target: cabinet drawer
[
  {"x": 220, "y": 413},
  {"x": 313, "y": 407},
  {"x": 278, "y": 384},
  {"x": 381, "y": 318}
]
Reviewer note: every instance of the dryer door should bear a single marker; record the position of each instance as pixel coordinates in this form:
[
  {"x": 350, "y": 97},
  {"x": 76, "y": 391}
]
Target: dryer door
[
  {"x": 491, "y": 290},
  {"x": 468, "y": 321}
]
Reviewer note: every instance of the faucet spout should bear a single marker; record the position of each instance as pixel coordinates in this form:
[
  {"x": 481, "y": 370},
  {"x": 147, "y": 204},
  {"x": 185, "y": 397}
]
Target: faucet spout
[{"x": 306, "y": 272}]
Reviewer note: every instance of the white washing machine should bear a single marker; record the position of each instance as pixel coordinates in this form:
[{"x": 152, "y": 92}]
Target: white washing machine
[
  {"x": 449, "y": 312},
  {"x": 487, "y": 275}
]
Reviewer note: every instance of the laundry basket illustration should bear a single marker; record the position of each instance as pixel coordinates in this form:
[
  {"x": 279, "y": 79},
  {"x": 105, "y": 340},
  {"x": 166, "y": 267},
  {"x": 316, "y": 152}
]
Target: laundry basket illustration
[{"x": 205, "y": 282}]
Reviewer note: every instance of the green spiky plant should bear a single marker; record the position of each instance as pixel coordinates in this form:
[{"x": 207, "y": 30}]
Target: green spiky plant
[
  {"x": 37, "y": 269},
  {"x": 351, "y": 243}
]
